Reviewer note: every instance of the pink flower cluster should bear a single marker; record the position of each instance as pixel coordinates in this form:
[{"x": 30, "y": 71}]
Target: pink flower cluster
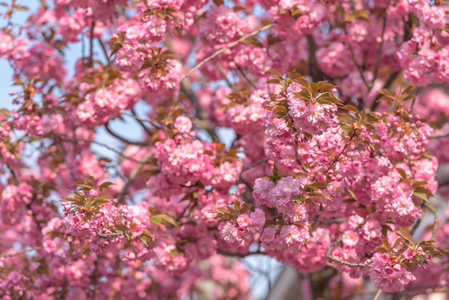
[
  {"x": 184, "y": 162},
  {"x": 239, "y": 233},
  {"x": 388, "y": 276},
  {"x": 312, "y": 118},
  {"x": 104, "y": 103},
  {"x": 221, "y": 25}
]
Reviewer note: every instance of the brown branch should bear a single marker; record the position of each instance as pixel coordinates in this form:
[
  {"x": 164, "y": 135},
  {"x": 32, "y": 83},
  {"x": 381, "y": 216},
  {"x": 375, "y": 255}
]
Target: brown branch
[
  {"x": 435, "y": 219},
  {"x": 100, "y": 144},
  {"x": 377, "y": 296},
  {"x": 223, "y": 73},
  {"x": 359, "y": 68},
  {"x": 298, "y": 160},
  {"x": 20, "y": 252},
  {"x": 387, "y": 85},
  {"x": 314, "y": 69},
  {"x": 255, "y": 164},
  {"x": 91, "y": 37},
  {"x": 112, "y": 234},
  {"x": 443, "y": 181},
  {"x": 126, "y": 141},
  {"x": 224, "y": 49},
  {"x": 418, "y": 222},
  {"x": 133, "y": 175},
  {"x": 245, "y": 76},
  {"x": 343, "y": 150},
  {"x": 407, "y": 36},
  {"x": 103, "y": 47},
  {"x": 333, "y": 258},
  {"x": 150, "y": 133},
  {"x": 379, "y": 53},
  {"x": 439, "y": 136},
  {"x": 318, "y": 214},
  {"x": 232, "y": 254},
  {"x": 14, "y": 175},
  {"x": 203, "y": 116}
]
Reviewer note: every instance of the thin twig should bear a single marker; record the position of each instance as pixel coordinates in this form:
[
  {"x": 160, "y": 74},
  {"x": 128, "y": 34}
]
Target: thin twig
[
  {"x": 233, "y": 254},
  {"x": 224, "y": 49},
  {"x": 387, "y": 85},
  {"x": 120, "y": 153},
  {"x": 20, "y": 252},
  {"x": 333, "y": 258},
  {"x": 418, "y": 222},
  {"x": 126, "y": 141},
  {"x": 223, "y": 73},
  {"x": 439, "y": 136},
  {"x": 141, "y": 123},
  {"x": 104, "y": 49},
  {"x": 435, "y": 219},
  {"x": 376, "y": 297},
  {"x": 203, "y": 116},
  {"x": 314, "y": 69},
  {"x": 112, "y": 234},
  {"x": 298, "y": 159},
  {"x": 379, "y": 53},
  {"x": 91, "y": 37},
  {"x": 245, "y": 76},
  {"x": 359, "y": 68},
  {"x": 133, "y": 175},
  {"x": 318, "y": 214},
  {"x": 255, "y": 164}
]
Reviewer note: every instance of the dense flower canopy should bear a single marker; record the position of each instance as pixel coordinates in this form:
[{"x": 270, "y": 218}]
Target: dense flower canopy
[{"x": 340, "y": 115}]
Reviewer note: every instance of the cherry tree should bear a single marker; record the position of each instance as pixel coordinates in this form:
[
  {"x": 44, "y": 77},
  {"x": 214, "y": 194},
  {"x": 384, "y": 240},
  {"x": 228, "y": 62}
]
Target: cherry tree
[{"x": 340, "y": 119}]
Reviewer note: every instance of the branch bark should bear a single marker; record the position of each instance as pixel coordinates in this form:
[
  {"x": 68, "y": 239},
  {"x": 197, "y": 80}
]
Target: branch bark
[
  {"x": 225, "y": 48},
  {"x": 133, "y": 175}
]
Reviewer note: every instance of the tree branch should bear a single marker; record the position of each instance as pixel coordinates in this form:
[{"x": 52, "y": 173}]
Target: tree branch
[
  {"x": 20, "y": 252},
  {"x": 141, "y": 123},
  {"x": 435, "y": 219},
  {"x": 112, "y": 234},
  {"x": 133, "y": 175},
  {"x": 333, "y": 258},
  {"x": 91, "y": 37},
  {"x": 379, "y": 53},
  {"x": 126, "y": 141},
  {"x": 314, "y": 69},
  {"x": 224, "y": 49},
  {"x": 387, "y": 85},
  {"x": 439, "y": 136},
  {"x": 377, "y": 296},
  {"x": 120, "y": 153},
  {"x": 226, "y": 253},
  {"x": 255, "y": 164},
  {"x": 245, "y": 76}
]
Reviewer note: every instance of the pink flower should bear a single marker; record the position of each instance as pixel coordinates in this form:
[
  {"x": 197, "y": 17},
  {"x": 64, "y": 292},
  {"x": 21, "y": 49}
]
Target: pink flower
[{"x": 183, "y": 124}]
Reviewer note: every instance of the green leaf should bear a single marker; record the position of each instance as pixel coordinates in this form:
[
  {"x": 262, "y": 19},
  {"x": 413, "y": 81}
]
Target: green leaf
[
  {"x": 421, "y": 195},
  {"x": 352, "y": 194},
  {"x": 319, "y": 184},
  {"x": 317, "y": 194},
  {"x": 143, "y": 239},
  {"x": 162, "y": 217},
  {"x": 173, "y": 253}
]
